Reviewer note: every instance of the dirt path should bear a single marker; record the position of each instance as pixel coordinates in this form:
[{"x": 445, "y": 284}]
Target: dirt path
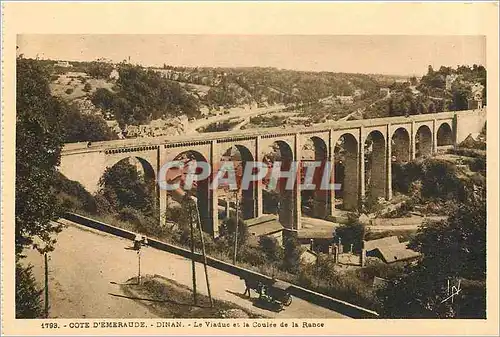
[{"x": 86, "y": 263}]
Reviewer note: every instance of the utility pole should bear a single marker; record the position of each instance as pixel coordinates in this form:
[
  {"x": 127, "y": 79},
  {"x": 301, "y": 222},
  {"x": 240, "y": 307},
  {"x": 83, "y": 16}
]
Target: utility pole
[
  {"x": 46, "y": 285},
  {"x": 193, "y": 264},
  {"x": 235, "y": 253},
  {"x": 139, "y": 266},
  {"x": 204, "y": 254}
]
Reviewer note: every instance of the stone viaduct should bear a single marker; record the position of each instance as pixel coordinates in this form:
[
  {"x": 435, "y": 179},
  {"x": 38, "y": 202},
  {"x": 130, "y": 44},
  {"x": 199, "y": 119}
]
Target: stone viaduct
[{"x": 380, "y": 140}]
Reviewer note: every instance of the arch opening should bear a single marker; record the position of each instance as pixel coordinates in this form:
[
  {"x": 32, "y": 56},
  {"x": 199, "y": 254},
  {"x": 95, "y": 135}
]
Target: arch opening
[
  {"x": 246, "y": 199},
  {"x": 130, "y": 184},
  {"x": 400, "y": 146},
  {"x": 444, "y": 135},
  {"x": 314, "y": 202},
  {"x": 277, "y": 198},
  {"x": 347, "y": 172},
  {"x": 375, "y": 166},
  {"x": 423, "y": 142},
  {"x": 200, "y": 190}
]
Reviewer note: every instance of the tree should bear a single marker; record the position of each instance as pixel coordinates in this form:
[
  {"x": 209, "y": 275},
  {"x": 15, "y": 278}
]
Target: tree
[
  {"x": 87, "y": 87},
  {"x": 271, "y": 248},
  {"x": 228, "y": 228},
  {"x": 85, "y": 127},
  {"x": 453, "y": 250},
  {"x": 460, "y": 93},
  {"x": 28, "y": 300},
  {"x": 292, "y": 251},
  {"x": 103, "y": 98},
  {"x": 99, "y": 69},
  {"x": 352, "y": 232},
  {"x": 122, "y": 185},
  {"x": 39, "y": 139}
]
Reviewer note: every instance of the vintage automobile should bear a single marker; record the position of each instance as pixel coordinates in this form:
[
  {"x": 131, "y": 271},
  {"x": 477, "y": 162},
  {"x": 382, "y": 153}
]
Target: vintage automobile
[{"x": 274, "y": 293}]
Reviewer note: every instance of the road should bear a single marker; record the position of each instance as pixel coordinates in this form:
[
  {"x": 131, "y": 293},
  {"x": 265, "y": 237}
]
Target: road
[
  {"x": 86, "y": 262},
  {"x": 234, "y": 113},
  {"x": 323, "y": 228}
]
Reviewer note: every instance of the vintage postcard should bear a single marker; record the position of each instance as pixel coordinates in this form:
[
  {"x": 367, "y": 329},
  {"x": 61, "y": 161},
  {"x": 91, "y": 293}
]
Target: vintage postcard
[{"x": 279, "y": 168}]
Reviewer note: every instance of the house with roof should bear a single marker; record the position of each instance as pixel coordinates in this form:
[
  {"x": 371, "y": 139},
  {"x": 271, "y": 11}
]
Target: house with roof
[
  {"x": 390, "y": 250},
  {"x": 385, "y": 91},
  {"x": 345, "y": 99},
  {"x": 476, "y": 101},
  {"x": 114, "y": 75},
  {"x": 63, "y": 64},
  {"x": 131, "y": 131},
  {"x": 449, "y": 80},
  {"x": 308, "y": 256},
  {"x": 267, "y": 225}
]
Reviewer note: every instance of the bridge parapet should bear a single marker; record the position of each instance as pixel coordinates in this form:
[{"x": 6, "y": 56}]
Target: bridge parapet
[{"x": 82, "y": 147}]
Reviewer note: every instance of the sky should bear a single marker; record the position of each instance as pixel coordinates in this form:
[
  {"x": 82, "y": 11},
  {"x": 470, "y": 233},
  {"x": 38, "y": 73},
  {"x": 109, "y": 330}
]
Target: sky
[{"x": 374, "y": 54}]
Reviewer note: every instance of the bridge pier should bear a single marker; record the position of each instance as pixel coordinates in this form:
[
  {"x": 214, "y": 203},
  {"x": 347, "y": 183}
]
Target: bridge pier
[
  {"x": 259, "y": 204},
  {"x": 361, "y": 170},
  {"x": 297, "y": 197},
  {"x": 413, "y": 142},
  {"x": 214, "y": 205},
  {"x": 388, "y": 173},
  {"x": 331, "y": 161},
  {"x": 434, "y": 137}
]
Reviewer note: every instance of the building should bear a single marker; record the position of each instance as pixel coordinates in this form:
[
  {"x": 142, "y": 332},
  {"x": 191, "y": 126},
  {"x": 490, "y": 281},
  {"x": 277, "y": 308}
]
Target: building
[
  {"x": 114, "y": 75},
  {"x": 345, "y": 99},
  {"x": 358, "y": 92},
  {"x": 308, "y": 256},
  {"x": 414, "y": 90},
  {"x": 476, "y": 101},
  {"x": 385, "y": 91},
  {"x": 113, "y": 125},
  {"x": 131, "y": 131},
  {"x": 63, "y": 64},
  {"x": 390, "y": 250},
  {"x": 449, "y": 80},
  {"x": 265, "y": 226}
]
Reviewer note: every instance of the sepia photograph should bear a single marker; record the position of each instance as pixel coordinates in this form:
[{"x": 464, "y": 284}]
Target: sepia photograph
[
  {"x": 194, "y": 180},
  {"x": 407, "y": 153}
]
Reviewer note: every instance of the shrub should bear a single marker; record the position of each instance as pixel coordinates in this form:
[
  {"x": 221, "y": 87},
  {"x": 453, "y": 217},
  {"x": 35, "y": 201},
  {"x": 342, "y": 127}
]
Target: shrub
[
  {"x": 292, "y": 251},
  {"x": 131, "y": 215},
  {"x": 28, "y": 300},
  {"x": 271, "y": 248},
  {"x": 351, "y": 233},
  {"x": 478, "y": 165},
  {"x": 73, "y": 196},
  {"x": 87, "y": 87},
  {"x": 228, "y": 227},
  {"x": 251, "y": 255}
]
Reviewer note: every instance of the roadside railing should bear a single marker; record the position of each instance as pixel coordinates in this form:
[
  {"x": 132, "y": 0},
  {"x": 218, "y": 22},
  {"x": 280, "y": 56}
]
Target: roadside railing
[{"x": 337, "y": 305}]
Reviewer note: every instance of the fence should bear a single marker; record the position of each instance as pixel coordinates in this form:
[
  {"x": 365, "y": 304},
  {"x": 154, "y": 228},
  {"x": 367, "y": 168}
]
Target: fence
[{"x": 342, "y": 307}]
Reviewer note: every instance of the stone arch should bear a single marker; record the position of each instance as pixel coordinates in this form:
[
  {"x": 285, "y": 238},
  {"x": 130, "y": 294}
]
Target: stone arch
[
  {"x": 241, "y": 156},
  {"x": 143, "y": 165},
  {"x": 200, "y": 189},
  {"x": 444, "y": 135},
  {"x": 347, "y": 170},
  {"x": 375, "y": 165},
  {"x": 400, "y": 145},
  {"x": 314, "y": 202},
  {"x": 277, "y": 198},
  {"x": 145, "y": 173},
  {"x": 423, "y": 142}
]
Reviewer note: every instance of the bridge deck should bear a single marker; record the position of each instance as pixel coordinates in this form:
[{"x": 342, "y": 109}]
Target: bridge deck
[{"x": 277, "y": 131}]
